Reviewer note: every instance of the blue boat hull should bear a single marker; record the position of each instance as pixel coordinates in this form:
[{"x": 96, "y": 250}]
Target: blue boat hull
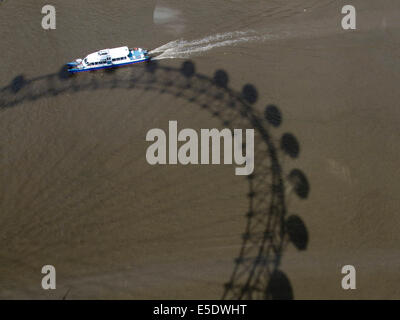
[{"x": 108, "y": 66}]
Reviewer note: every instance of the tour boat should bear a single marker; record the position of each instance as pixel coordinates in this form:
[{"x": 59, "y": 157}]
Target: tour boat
[{"x": 109, "y": 58}]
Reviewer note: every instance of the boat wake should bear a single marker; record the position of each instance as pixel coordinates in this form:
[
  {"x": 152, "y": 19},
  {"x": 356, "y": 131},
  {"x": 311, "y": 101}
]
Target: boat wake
[{"x": 184, "y": 49}]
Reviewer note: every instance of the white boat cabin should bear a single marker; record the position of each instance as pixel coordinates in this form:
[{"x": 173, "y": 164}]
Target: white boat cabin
[{"x": 112, "y": 56}]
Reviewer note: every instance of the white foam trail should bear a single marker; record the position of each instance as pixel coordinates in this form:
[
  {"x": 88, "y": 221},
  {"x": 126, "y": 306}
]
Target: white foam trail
[
  {"x": 209, "y": 39},
  {"x": 184, "y": 49},
  {"x": 185, "y": 52}
]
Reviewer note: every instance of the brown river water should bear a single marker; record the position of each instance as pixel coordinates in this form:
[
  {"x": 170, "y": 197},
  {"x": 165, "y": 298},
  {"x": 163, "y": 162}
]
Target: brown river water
[{"x": 76, "y": 191}]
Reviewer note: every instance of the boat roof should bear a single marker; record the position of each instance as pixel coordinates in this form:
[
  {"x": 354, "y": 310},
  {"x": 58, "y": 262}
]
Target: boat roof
[{"x": 113, "y": 52}]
